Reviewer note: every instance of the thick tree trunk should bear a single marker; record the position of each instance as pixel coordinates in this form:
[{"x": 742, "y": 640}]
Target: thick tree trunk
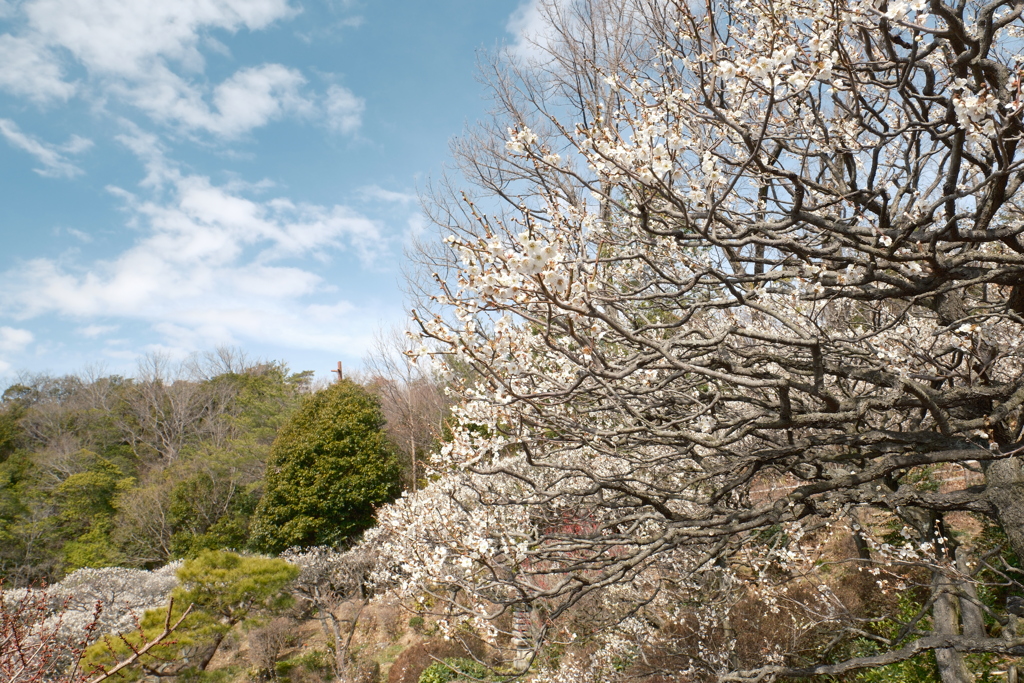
[
  {"x": 1005, "y": 490},
  {"x": 951, "y": 664},
  {"x": 970, "y": 607},
  {"x": 207, "y": 656}
]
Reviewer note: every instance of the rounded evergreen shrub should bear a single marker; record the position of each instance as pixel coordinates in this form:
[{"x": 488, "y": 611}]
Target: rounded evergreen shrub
[{"x": 330, "y": 467}]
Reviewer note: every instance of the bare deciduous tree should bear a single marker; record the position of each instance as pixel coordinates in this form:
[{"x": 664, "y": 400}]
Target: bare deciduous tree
[
  {"x": 165, "y": 409},
  {"x": 329, "y": 579},
  {"x": 411, "y": 397}
]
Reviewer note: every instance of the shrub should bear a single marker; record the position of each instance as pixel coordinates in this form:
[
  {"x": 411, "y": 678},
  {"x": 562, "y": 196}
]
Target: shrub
[
  {"x": 412, "y": 662},
  {"x": 453, "y": 669},
  {"x": 331, "y": 465},
  {"x": 309, "y": 667},
  {"x": 224, "y": 589}
]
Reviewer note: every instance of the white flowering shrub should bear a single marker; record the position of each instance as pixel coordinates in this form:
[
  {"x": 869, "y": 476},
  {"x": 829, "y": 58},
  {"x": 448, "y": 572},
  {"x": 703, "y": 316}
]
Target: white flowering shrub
[
  {"x": 45, "y": 631},
  {"x": 748, "y": 267},
  {"x": 121, "y": 595}
]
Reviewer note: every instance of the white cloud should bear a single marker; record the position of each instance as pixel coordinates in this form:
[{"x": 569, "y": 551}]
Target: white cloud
[
  {"x": 79, "y": 235},
  {"x": 211, "y": 266},
  {"x": 126, "y": 37},
  {"x": 148, "y": 54},
  {"x": 351, "y": 22},
  {"x": 349, "y": 329},
  {"x": 325, "y": 313},
  {"x": 344, "y": 110},
  {"x": 93, "y": 331},
  {"x": 52, "y": 157},
  {"x": 253, "y": 96},
  {"x": 375, "y": 192},
  {"x": 416, "y": 227},
  {"x": 249, "y": 99},
  {"x": 530, "y": 26},
  {"x": 32, "y": 70},
  {"x": 533, "y": 26},
  {"x": 13, "y": 340}
]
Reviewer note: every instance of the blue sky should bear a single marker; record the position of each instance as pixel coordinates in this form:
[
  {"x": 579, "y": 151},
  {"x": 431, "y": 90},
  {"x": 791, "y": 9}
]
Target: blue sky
[{"x": 182, "y": 175}]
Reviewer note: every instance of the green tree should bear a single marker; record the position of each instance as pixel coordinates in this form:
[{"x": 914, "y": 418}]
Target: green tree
[
  {"x": 330, "y": 466},
  {"x": 96, "y": 471},
  {"x": 11, "y": 432},
  {"x": 209, "y": 511},
  {"x": 205, "y": 499},
  {"x": 453, "y": 669},
  {"x": 86, "y": 509},
  {"x": 224, "y": 589}
]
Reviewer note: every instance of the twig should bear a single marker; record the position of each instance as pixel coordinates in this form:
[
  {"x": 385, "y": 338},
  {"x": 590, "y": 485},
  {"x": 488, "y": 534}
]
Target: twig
[{"x": 168, "y": 630}]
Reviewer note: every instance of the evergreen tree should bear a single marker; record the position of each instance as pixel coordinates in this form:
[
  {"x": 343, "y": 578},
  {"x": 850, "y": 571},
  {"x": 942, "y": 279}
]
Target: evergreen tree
[
  {"x": 331, "y": 465},
  {"x": 224, "y": 589}
]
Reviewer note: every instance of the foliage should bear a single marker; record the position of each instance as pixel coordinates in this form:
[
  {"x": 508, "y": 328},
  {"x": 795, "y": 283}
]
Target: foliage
[
  {"x": 11, "y": 432},
  {"x": 229, "y": 587},
  {"x": 410, "y": 664},
  {"x": 330, "y": 466},
  {"x": 919, "y": 669},
  {"x": 102, "y": 471},
  {"x": 223, "y": 589},
  {"x": 209, "y": 511},
  {"x": 453, "y": 669},
  {"x": 316, "y": 662},
  {"x": 86, "y": 509}
]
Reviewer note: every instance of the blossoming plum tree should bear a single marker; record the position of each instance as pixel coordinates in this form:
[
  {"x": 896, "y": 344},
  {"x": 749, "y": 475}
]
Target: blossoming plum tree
[{"x": 747, "y": 269}]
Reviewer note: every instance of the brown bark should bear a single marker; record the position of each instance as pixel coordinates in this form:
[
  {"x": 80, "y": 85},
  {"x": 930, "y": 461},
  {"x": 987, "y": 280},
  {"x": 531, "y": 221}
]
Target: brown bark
[
  {"x": 1005, "y": 490},
  {"x": 207, "y": 656},
  {"x": 970, "y": 606},
  {"x": 951, "y": 664}
]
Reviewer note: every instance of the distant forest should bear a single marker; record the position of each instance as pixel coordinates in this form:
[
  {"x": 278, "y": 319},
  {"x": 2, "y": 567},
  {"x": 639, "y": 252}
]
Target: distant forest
[{"x": 107, "y": 470}]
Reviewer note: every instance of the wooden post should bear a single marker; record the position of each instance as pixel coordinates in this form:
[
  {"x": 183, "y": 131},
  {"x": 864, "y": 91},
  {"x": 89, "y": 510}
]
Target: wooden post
[{"x": 338, "y": 371}]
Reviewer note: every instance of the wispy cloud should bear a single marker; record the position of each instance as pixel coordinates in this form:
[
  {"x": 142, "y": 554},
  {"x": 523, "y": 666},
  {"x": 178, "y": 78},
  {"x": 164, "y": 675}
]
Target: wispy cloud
[
  {"x": 377, "y": 193},
  {"x": 344, "y": 109},
  {"x": 351, "y": 22},
  {"x": 127, "y": 37},
  {"x": 529, "y": 26},
  {"x": 32, "y": 70},
  {"x": 211, "y": 265},
  {"x": 93, "y": 331},
  {"x": 249, "y": 99},
  {"x": 14, "y": 340},
  {"x": 79, "y": 235},
  {"x": 52, "y": 157}
]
